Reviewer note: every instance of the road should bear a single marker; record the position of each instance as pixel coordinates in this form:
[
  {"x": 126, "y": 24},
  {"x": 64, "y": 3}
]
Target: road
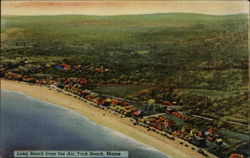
[
  {"x": 211, "y": 119},
  {"x": 145, "y": 117},
  {"x": 197, "y": 116}
]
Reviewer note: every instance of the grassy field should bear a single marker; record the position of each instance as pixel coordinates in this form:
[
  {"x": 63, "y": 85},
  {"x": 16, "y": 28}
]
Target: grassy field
[
  {"x": 118, "y": 91},
  {"x": 208, "y": 93},
  {"x": 232, "y": 134}
]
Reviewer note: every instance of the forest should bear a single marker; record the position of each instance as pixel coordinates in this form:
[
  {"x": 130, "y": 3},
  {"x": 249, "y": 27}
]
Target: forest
[{"x": 201, "y": 59}]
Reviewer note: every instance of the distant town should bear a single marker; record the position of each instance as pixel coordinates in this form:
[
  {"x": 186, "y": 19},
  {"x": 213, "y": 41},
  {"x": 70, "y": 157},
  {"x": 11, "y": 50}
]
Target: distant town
[{"x": 166, "y": 120}]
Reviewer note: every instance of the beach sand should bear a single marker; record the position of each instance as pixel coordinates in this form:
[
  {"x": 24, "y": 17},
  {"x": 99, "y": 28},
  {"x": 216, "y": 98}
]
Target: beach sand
[{"x": 115, "y": 122}]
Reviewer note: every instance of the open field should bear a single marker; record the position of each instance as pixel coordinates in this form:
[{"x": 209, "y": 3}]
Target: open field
[{"x": 121, "y": 91}]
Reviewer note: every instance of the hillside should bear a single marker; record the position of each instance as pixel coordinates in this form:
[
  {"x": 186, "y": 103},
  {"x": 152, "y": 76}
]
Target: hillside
[{"x": 182, "y": 51}]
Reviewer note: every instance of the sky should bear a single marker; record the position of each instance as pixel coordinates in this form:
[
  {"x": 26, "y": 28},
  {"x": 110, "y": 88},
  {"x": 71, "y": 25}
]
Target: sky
[{"x": 122, "y": 7}]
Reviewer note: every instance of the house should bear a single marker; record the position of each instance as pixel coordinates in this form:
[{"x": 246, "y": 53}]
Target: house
[
  {"x": 210, "y": 139},
  {"x": 129, "y": 107},
  {"x": 137, "y": 113},
  {"x": 169, "y": 109},
  {"x": 99, "y": 70},
  {"x": 163, "y": 118},
  {"x": 149, "y": 120},
  {"x": 82, "y": 81},
  {"x": 54, "y": 85},
  {"x": 219, "y": 141},
  {"x": 75, "y": 67},
  {"x": 180, "y": 115},
  {"x": 178, "y": 134},
  {"x": 106, "y": 102},
  {"x": 115, "y": 102},
  {"x": 127, "y": 113},
  {"x": 212, "y": 130},
  {"x": 235, "y": 155},
  {"x": 151, "y": 101},
  {"x": 114, "y": 107},
  {"x": 66, "y": 66},
  {"x": 158, "y": 126},
  {"x": 168, "y": 103},
  {"x": 186, "y": 129},
  {"x": 98, "y": 101},
  {"x": 169, "y": 123},
  {"x": 124, "y": 103},
  {"x": 193, "y": 132}
]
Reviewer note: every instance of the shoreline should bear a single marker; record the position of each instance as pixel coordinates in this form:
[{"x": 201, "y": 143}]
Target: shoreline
[{"x": 107, "y": 119}]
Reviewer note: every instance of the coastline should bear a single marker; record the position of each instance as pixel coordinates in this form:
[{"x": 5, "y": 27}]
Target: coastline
[{"x": 115, "y": 122}]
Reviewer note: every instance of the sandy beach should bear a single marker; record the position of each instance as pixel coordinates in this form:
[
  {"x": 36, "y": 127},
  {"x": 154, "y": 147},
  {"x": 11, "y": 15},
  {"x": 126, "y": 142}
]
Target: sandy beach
[{"x": 115, "y": 122}]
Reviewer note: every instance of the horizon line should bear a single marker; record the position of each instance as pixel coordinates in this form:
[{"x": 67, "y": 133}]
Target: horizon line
[{"x": 127, "y": 14}]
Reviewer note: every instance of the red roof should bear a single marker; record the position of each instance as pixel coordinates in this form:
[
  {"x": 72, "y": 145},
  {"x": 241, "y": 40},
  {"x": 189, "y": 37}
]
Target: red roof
[
  {"x": 212, "y": 130},
  {"x": 234, "y": 155},
  {"x": 166, "y": 103},
  {"x": 115, "y": 101},
  {"x": 125, "y": 103},
  {"x": 137, "y": 113}
]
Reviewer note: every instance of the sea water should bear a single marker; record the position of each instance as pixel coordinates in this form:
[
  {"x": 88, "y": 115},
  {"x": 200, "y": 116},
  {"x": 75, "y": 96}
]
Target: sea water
[{"x": 31, "y": 124}]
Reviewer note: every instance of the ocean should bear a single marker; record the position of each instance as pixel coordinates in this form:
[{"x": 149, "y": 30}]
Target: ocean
[{"x": 31, "y": 124}]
